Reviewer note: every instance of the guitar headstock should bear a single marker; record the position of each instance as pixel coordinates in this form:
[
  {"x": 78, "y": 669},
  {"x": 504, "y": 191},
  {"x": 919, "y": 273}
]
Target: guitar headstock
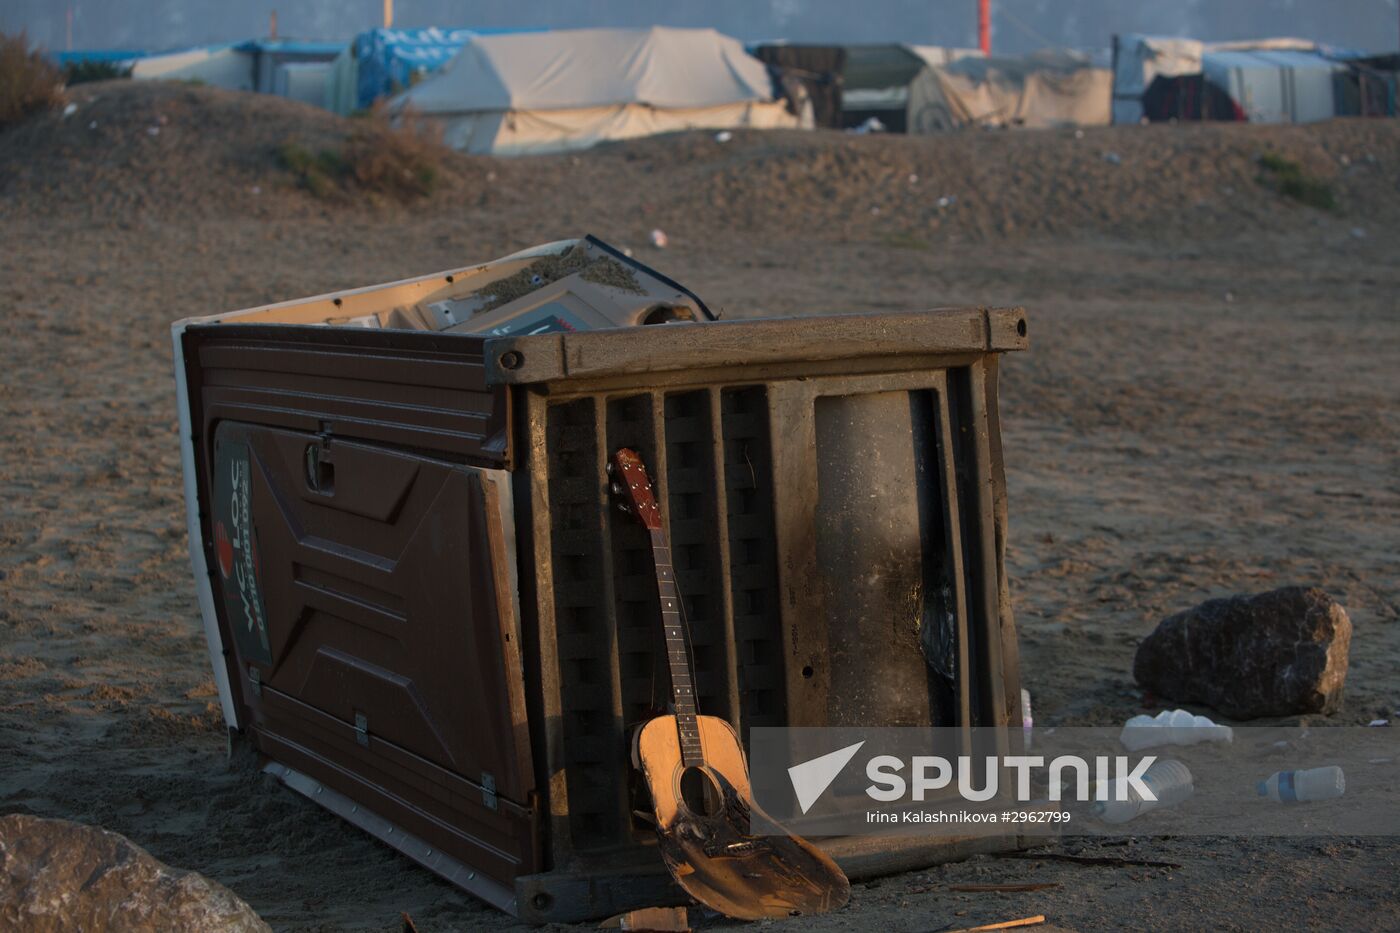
[{"x": 632, "y": 487}]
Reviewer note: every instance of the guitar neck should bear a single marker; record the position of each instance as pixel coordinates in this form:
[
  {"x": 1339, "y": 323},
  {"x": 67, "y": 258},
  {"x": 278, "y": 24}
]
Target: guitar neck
[{"x": 677, "y": 651}]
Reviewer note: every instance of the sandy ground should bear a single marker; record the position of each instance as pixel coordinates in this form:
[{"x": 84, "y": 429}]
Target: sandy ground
[{"x": 1199, "y": 415}]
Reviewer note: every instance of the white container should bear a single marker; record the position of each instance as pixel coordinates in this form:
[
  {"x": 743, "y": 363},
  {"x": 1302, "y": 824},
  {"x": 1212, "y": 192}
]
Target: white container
[
  {"x": 1169, "y": 780},
  {"x": 1172, "y": 727},
  {"x": 1301, "y": 786}
]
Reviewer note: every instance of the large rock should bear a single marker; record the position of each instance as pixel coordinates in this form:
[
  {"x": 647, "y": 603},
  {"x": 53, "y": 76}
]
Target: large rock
[
  {"x": 1275, "y": 654},
  {"x": 56, "y": 875}
]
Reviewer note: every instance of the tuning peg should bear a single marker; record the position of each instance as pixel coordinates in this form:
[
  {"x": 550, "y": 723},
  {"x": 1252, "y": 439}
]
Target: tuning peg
[
  {"x": 617, "y": 489},
  {"x": 624, "y": 508},
  {"x": 610, "y": 468}
]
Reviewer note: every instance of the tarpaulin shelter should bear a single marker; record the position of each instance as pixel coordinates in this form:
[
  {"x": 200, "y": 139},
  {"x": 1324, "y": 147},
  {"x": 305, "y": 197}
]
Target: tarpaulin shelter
[
  {"x": 876, "y": 80},
  {"x": 1047, "y": 89},
  {"x": 818, "y": 68},
  {"x": 290, "y": 67},
  {"x": 569, "y": 89},
  {"x": 226, "y": 66},
  {"x": 1188, "y": 97},
  {"x": 1138, "y": 60},
  {"x": 1276, "y": 86},
  {"x": 1370, "y": 87}
]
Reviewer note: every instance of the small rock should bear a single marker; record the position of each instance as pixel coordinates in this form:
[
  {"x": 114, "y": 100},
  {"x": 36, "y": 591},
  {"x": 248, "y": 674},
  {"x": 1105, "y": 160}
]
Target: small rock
[
  {"x": 659, "y": 238},
  {"x": 913, "y": 179},
  {"x": 1113, "y": 158},
  {"x": 69, "y": 109},
  {"x": 56, "y": 875},
  {"x": 1078, "y": 134},
  {"x": 1358, "y": 233},
  {"x": 723, "y": 136},
  {"x": 1274, "y": 654}
]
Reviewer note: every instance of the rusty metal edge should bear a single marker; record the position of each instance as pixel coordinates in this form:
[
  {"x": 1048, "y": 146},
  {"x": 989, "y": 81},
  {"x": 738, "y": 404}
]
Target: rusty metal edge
[{"x": 551, "y": 357}]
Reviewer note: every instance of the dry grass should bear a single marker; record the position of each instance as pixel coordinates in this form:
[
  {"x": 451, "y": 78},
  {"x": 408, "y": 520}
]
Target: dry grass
[
  {"x": 1289, "y": 179},
  {"x": 29, "y": 82},
  {"x": 402, "y": 161}
]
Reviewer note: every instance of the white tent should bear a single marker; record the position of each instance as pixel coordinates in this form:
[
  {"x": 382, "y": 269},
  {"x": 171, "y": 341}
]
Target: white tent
[
  {"x": 1277, "y": 86},
  {"x": 569, "y": 89}
]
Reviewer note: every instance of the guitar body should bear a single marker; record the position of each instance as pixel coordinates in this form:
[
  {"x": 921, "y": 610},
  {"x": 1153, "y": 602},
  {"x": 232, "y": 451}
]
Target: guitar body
[
  {"x": 702, "y": 822},
  {"x": 694, "y": 766}
]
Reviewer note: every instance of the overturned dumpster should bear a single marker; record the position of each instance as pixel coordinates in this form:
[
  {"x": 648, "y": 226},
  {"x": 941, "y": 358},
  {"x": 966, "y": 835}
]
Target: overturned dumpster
[{"x": 427, "y": 616}]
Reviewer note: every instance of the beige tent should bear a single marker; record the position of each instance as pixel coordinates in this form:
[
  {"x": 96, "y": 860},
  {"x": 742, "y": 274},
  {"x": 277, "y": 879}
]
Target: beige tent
[
  {"x": 1042, "y": 90},
  {"x": 569, "y": 89}
]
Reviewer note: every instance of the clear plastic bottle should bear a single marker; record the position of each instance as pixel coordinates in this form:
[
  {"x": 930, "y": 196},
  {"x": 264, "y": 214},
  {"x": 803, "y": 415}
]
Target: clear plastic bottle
[
  {"x": 1027, "y": 723},
  {"x": 1172, "y": 727},
  {"x": 1297, "y": 786},
  {"x": 1169, "y": 780}
]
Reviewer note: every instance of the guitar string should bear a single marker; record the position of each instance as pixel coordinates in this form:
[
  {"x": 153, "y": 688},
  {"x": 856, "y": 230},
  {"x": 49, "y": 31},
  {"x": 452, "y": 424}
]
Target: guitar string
[{"x": 684, "y": 616}]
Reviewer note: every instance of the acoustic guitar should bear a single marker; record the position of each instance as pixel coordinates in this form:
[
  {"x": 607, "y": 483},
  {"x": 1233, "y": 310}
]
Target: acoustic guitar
[{"x": 695, "y": 768}]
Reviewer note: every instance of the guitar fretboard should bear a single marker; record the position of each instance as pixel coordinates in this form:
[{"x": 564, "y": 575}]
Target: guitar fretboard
[{"x": 677, "y": 651}]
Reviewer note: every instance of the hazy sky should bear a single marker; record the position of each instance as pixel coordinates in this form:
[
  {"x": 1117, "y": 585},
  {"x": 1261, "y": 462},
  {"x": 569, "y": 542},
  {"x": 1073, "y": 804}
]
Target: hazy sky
[{"x": 1018, "y": 25}]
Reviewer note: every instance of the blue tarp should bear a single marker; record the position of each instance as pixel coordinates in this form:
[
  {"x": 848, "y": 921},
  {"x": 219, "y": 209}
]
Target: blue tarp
[
  {"x": 78, "y": 56},
  {"x": 304, "y": 47},
  {"x": 392, "y": 60}
]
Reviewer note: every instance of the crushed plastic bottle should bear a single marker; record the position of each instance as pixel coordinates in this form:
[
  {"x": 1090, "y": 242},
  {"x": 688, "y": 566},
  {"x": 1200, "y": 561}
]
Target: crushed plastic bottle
[
  {"x": 1169, "y": 780},
  {"x": 1172, "y": 727},
  {"x": 1301, "y": 786}
]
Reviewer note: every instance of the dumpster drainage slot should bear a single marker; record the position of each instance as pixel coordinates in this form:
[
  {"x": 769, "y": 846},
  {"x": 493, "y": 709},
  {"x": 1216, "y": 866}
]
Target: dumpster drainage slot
[{"x": 488, "y": 790}]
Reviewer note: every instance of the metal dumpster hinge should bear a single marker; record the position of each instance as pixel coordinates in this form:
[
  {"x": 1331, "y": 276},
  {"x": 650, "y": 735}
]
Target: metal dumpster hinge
[
  {"x": 362, "y": 729},
  {"x": 255, "y": 681},
  {"x": 488, "y": 789}
]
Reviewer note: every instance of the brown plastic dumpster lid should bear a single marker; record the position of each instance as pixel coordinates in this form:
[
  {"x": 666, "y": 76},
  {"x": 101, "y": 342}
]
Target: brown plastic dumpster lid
[{"x": 664, "y": 347}]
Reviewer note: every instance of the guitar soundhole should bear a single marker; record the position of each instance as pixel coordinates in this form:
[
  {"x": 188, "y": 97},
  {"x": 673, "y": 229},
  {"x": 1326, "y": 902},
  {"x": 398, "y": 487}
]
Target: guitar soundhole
[{"x": 699, "y": 792}]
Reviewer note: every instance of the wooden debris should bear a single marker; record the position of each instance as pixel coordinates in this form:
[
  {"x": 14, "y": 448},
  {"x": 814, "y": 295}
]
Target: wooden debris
[
  {"x": 1004, "y": 925},
  {"x": 659, "y": 919},
  {"x": 1090, "y": 859}
]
